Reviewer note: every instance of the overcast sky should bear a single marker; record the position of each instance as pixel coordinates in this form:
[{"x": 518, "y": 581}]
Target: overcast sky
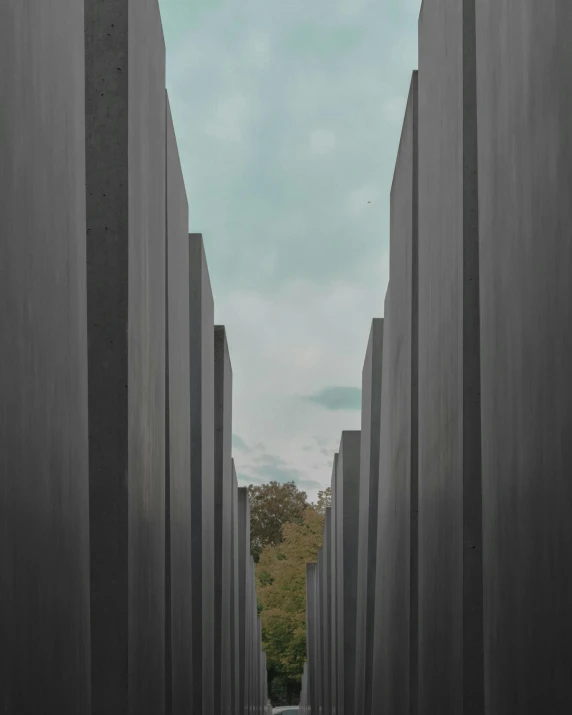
[{"x": 288, "y": 116}]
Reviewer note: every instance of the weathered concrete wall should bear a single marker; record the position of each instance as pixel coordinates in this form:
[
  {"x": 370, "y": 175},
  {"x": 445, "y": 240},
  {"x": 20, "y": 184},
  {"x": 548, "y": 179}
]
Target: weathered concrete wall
[
  {"x": 368, "y": 508},
  {"x": 44, "y": 547},
  {"x": 312, "y": 655},
  {"x": 125, "y": 154},
  {"x": 234, "y": 600},
  {"x": 396, "y": 633},
  {"x": 326, "y": 606},
  {"x": 347, "y": 530},
  {"x": 334, "y": 591},
  {"x": 178, "y": 595},
  {"x": 223, "y": 487},
  {"x": 243, "y": 560},
  {"x": 450, "y": 567},
  {"x": 525, "y": 183},
  {"x": 201, "y": 317}
]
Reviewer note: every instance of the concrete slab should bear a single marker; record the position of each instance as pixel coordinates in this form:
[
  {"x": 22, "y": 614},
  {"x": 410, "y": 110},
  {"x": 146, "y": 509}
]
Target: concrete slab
[
  {"x": 333, "y": 588},
  {"x": 525, "y": 154},
  {"x": 312, "y": 655},
  {"x": 319, "y": 632},
  {"x": 44, "y": 509},
  {"x": 223, "y": 521},
  {"x": 368, "y": 507},
  {"x": 125, "y": 155},
  {"x": 347, "y": 533},
  {"x": 243, "y": 561},
  {"x": 234, "y": 600},
  {"x": 450, "y": 561},
  {"x": 395, "y": 647},
  {"x": 178, "y": 595},
  {"x": 326, "y": 605},
  {"x": 201, "y": 316}
]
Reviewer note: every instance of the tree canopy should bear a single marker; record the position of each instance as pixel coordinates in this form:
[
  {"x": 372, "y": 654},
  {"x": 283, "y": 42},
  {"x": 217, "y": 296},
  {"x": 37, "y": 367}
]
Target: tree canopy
[
  {"x": 324, "y": 501},
  {"x": 281, "y": 589},
  {"x": 271, "y": 506}
]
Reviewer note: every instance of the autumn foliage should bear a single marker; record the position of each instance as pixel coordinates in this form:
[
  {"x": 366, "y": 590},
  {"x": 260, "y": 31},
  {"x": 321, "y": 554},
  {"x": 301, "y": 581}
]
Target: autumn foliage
[{"x": 281, "y": 589}]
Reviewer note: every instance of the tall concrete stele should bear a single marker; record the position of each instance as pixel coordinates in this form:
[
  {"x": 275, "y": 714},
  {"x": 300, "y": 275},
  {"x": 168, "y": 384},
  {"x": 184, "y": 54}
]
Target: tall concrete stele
[
  {"x": 474, "y": 535},
  {"x": 122, "y": 538}
]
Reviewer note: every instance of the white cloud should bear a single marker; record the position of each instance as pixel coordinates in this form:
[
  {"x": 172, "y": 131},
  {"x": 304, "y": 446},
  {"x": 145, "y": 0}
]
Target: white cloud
[
  {"x": 230, "y": 118},
  {"x": 282, "y": 149},
  {"x": 258, "y": 48},
  {"x": 288, "y": 346},
  {"x": 351, "y": 8},
  {"x": 322, "y": 142},
  {"x": 361, "y": 200}
]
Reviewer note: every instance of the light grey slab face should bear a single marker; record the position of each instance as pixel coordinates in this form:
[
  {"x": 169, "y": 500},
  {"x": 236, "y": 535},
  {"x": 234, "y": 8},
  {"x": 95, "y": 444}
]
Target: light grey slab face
[
  {"x": 312, "y": 655},
  {"x": 235, "y": 613},
  {"x": 201, "y": 316},
  {"x": 525, "y": 154},
  {"x": 178, "y": 593},
  {"x": 347, "y": 533},
  {"x": 146, "y": 351},
  {"x": 243, "y": 592},
  {"x": 395, "y": 678},
  {"x": 450, "y": 573},
  {"x": 326, "y": 606},
  {"x": 334, "y": 590},
  {"x": 44, "y": 548},
  {"x": 126, "y": 265},
  {"x": 223, "y": 488},
  {"x": 368, "y": 508}
]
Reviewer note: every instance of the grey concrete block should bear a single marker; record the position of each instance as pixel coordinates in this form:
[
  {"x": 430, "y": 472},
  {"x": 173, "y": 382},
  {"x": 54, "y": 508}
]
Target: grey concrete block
[
  {"x": 347, "y": 532},
  {"x": 178, "y": 594},
  {"x": 243, "y": 561},
  {"x": 234, "y": 601},
  {"x": 311, "y": 653},
  {"x": 450, "y": 562},
  {"x": 44, "y": 547},
  {"x": 222, "y": 521},
  {"x": 334, "y": 591},
  {"x": 395, "y": 647},
  {"x": 368, "y": 508},
  {"x": 326, "y": 605},
  {"x": 320, "y": 618},
  {"x": 258, "y": 668},
  {"x": 125, "y": 155},
  {"x": 524, "y": 159},
  {"x": 201, "y": 316}
]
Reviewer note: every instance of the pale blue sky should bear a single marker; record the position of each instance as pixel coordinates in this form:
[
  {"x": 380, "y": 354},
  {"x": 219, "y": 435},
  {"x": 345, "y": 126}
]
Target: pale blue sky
[{"x": 288, "y": 116}]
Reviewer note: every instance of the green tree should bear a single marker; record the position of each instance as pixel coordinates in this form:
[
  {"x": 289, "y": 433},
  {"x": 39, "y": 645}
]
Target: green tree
[
  {"x": 324, "y": 501},
  {"x": 271, "y": 506},
  {"x": 281, "y": 589}
]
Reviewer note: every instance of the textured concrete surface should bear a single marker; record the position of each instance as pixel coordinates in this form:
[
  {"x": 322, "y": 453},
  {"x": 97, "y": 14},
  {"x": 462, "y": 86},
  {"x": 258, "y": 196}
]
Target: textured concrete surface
[
  {"x": 333, "y": 589},
  {"x": 347, "y": 532},
  {"x": 368, "y": 507},
  {"x": 125, "y": 154},
  {"x": 201, "y": 316},
  {"x": 383, "y": 579},
  {"x": 319, "y": 631},
  {"x": 223, "y": 488},
  {"x": 234, "y": 600},
  {"x": 396, "y": 632},
  {"x": 243, "y": 560},
  {"x": 450, "y": 564},
  {"x": 326, "y": 606},
  {"x": 525, "y": 183},
  {"x": 146, "y": 350},
  {"x": 44, "y": 547},
  {"x": 178, "y": 596},
  {"x": 312, "y": 655}
]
